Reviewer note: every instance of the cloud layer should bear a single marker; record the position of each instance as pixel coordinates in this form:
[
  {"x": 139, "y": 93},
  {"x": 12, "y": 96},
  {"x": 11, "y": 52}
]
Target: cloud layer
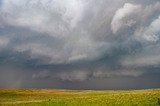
[{"x": 57, "y": 41}]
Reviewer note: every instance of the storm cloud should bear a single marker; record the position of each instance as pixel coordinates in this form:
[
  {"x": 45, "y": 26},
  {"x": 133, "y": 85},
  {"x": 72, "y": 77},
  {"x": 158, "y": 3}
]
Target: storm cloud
[{"x": 79, "y": 44}]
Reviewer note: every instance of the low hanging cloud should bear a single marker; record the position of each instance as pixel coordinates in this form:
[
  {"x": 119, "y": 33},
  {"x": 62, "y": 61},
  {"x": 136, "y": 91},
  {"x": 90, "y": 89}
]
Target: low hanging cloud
[
  {"x": 73, "y": 76},
  {"x": 76, "y": 75},
  {"x": 84, "y": 75},
  {"x": 80, "y": 41}
]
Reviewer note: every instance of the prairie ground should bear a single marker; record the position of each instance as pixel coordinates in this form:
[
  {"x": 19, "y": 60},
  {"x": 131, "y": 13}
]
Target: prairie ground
[{"x": 48, "y": 97}]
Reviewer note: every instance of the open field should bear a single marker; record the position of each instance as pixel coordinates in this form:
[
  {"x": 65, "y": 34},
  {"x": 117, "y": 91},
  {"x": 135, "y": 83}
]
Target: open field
[{"x": 44, "y": 97}]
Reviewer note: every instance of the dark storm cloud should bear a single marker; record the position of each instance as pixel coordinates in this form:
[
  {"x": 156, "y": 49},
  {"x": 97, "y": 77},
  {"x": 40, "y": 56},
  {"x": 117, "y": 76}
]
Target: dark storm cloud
[{"x": 51, "y": 43}]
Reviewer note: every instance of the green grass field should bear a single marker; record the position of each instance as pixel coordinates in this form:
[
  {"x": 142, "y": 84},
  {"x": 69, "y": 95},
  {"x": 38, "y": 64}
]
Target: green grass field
[{"x": 44, "y": 97}]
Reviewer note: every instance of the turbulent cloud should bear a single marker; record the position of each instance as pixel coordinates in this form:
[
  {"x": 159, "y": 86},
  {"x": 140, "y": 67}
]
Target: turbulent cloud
[
  {"x": 57, "y": 19},
  {"x": 119, "y": 20},
  {"x": 53, "y": 17},
  {"x": 90, "y": 43},
  {"x": 151, "y": 33}
]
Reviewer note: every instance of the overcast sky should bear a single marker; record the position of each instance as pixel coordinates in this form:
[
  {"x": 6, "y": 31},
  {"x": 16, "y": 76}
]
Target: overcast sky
[{"x": 80, "y": 44}]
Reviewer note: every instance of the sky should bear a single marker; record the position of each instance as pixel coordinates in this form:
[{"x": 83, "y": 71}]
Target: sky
[{"x": 80, "y": 44}]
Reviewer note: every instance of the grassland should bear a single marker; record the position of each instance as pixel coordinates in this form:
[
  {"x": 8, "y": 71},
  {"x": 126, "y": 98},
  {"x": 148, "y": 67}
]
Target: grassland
[{"x": 44, "y": 97}]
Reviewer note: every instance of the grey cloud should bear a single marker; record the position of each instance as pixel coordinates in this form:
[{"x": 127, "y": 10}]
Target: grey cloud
[
  {"x": 55, "y": 18},
  {"x": 151, "y": 33},
  {"x": 3, "y": 41},
  {"x": 70, "y": 75},
  {"x": 129, "y": 17},
  {"x": 121, "y": 14},
  {"x": 124, "y": 72},
  {"x": 80, "y": 41},
  {"x": 41, "y": 74},
  {"x": 148, "y": 57},
  {"x": 85, "y": 75},
  {"x": 76, "y": 75}
]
